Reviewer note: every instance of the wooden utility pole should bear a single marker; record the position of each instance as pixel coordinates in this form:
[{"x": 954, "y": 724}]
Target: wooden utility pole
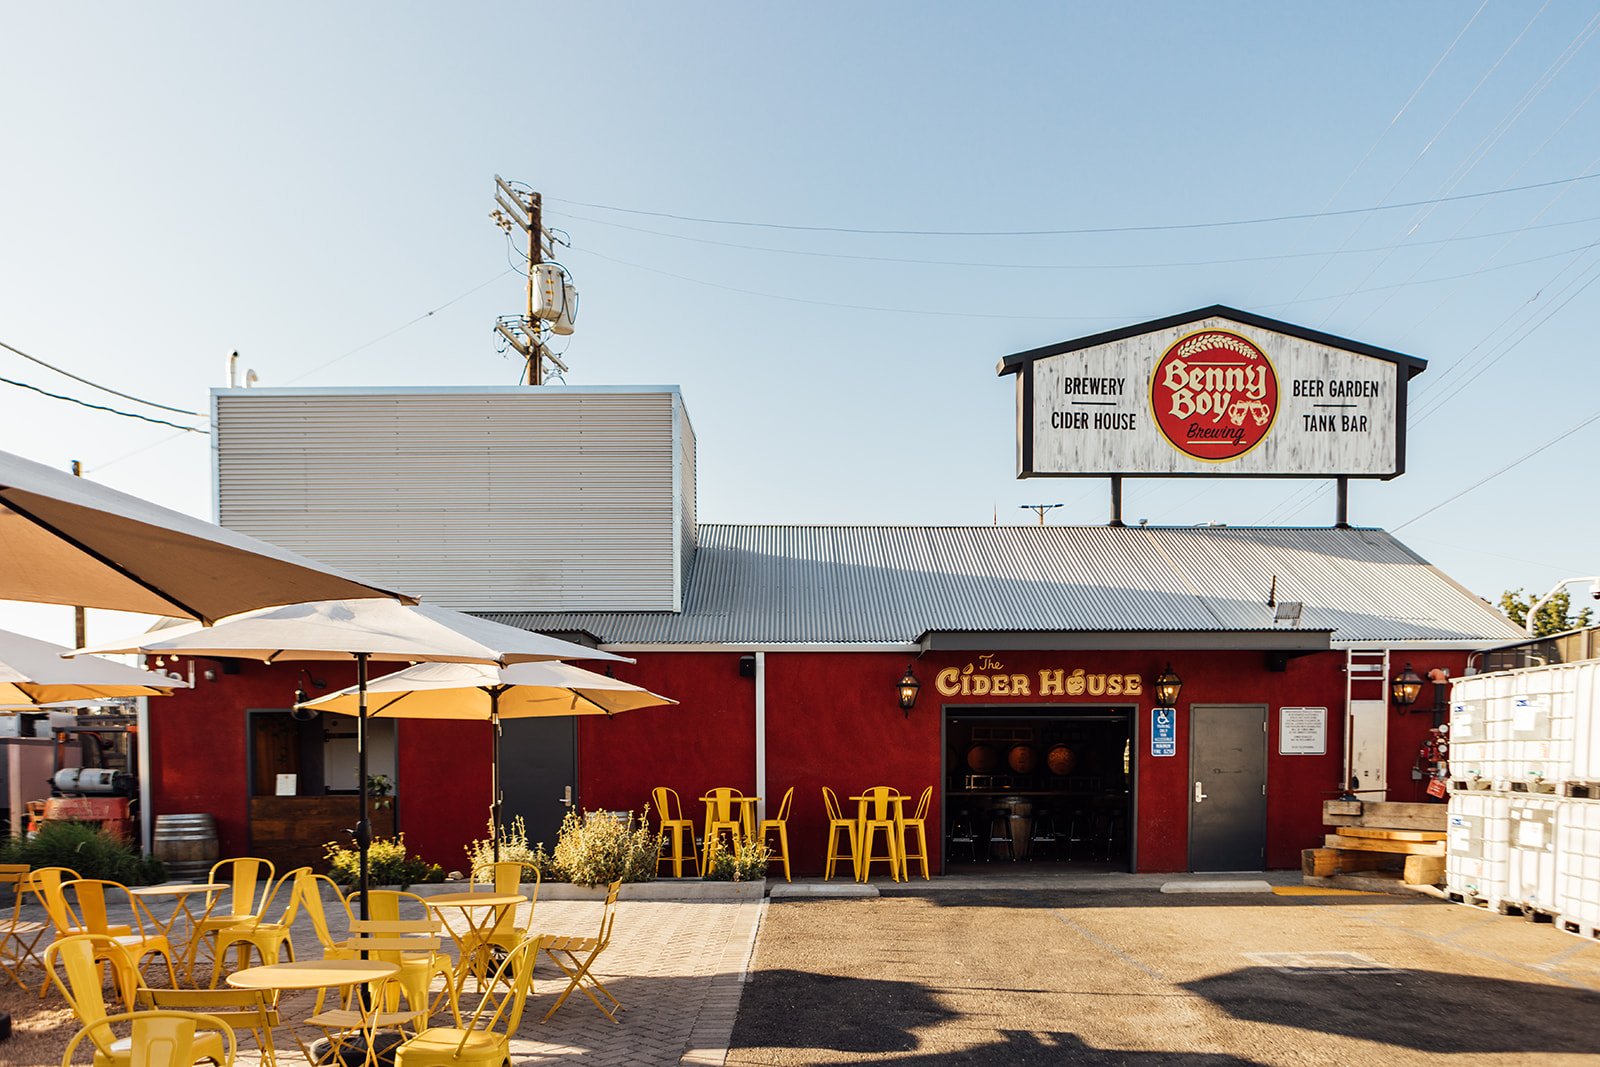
[
  {"x": 80, "y": 628},
  {"x": 524, "y": 210}
]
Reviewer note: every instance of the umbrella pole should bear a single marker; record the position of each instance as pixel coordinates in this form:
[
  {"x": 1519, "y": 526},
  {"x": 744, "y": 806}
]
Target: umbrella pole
[
  {"x": 494, "y": 771},
  {"x": 364, "y": 825}
]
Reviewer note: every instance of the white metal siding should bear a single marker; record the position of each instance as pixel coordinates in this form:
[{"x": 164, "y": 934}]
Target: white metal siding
[
  {"x": 687, "y": 528},
  {"x": 493, "y": 499}
]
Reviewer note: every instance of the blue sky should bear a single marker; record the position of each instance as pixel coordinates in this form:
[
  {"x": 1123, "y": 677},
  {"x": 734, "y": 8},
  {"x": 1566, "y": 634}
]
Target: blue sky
[{"x": 297, "y": 181}]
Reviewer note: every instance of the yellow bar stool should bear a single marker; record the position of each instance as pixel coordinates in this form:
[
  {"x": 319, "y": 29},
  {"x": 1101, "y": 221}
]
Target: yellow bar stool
[
  {"x": 916, "y": 825},
  {"x": 838, "y": 824},
  {"x": 723, "y": 816},
  {"x": 676, "y": 831},
  {"x": 879, "y": 811}
]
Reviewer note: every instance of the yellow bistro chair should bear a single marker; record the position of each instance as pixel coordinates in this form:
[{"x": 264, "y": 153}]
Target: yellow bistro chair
[
  {"x": 676, "y": 831},
  {"x": 485, "y": 1038},
  {"x": 73, "y": 966},
  {"x": 418, "y": 966},
  {"x": 505, "y": 934},
  {"x": 158, "y": 1039},
  {"x": 268, "y": 939},
  {"x": 19, "y": 937},
  {"x": 838, "y": 824},
  {"x": 916, "y": 824},
  {"x": 241, "y": 1009},
  {"x": 579, "y": 972},
  {"x": 723, "y": 815},
  {"x": 780, "y": 826},
  {"x": 879, "y": 814},
  {"x": 249, "y": 881},
  {"x": 88, "y": 900}
]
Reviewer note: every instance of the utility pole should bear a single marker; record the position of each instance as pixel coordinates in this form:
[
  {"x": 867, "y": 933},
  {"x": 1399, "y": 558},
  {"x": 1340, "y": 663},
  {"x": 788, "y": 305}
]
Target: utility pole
[
  {"x": 523, "y": 209},
  {"x": 1041, "y": 509},
  {"x": 80, "y": 627}
]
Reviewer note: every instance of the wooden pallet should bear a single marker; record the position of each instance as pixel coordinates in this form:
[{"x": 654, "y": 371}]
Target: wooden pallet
[
  {"x": 1578, "y": 926},
  {"x": 1581, "y": 789},
  {"x": 1406, "y": 839}
]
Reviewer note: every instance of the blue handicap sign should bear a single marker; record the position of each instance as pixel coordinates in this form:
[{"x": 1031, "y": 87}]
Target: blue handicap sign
[{"x": 1163, "y": 732}]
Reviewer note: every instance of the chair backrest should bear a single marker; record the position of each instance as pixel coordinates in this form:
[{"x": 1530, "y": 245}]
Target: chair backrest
[
  {"x": 71, "y": 964},
  {"x": 246, "y": 1009},
  {"x": 158, "y": 1038},
  {"x": 723, "y": 809},
  {"x": 608, "y": 914},
  {"x": 831, "y": 802},
  {"x": 14, "y": 875},
  {"x": 309, "y": 896},
  {"x": 516, "y": 973},
  {"x": 668, "y": 807},
  {"x": 783, "y": 808},
  {"x": 923, "y": 803},
  {"x": 46, "y": 884},
  {"x": 880, "y": 800},
  {"x": 386, "y": 905},
  {"x": 88, "y": 899},
  {"x": 251, "y": 881}
]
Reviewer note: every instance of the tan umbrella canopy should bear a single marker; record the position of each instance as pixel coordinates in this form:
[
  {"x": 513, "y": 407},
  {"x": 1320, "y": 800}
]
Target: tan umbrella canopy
[
  {"x": 486, "y": 693},
  {"x": 32, "y": 672},
  {"x": 66, "y": 540},
  {"x": 362, "y": 630}
]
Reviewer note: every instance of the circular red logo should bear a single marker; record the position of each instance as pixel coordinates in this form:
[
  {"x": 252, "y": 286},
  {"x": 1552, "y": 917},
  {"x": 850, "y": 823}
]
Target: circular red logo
[{"x": 1214, "y": 395}]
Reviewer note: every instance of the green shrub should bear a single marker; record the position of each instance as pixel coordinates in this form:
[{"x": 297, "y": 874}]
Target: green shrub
[
  {"x": 747, "y": 863},
  {"x": 598, "y": 848},
  {"x": 85, "y": 848},
  {"x": 514, "y": 847},
  {"x": 388, "y": 863}
]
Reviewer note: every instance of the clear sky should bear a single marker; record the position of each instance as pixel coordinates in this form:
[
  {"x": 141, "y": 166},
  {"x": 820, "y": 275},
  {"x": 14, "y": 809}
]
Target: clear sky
[{"x": 305, "y": 183}]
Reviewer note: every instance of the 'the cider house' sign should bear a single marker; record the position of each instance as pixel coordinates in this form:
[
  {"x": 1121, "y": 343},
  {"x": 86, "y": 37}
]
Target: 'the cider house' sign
[{"x": 1214, "y": 392}]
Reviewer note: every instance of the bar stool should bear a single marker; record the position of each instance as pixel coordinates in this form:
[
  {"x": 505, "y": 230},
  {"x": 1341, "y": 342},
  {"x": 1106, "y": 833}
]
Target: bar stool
[
  {"x": 836, "y": 823},
  {"x": 878, "y": 806},
  {"x": 917, "y": 824},
  {"x": 1000, "y": 832},
  {"x": 780, "y": 825},
  {"x": 962, "y": 833},
  {"x": 722, "y": 816},
  {"x": 676, "y": 832},
  {"x": 1044, "y": 834}
]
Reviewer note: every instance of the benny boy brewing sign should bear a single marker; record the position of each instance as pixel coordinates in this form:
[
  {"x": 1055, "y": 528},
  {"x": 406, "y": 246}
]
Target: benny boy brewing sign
[{"x": 1212, "y": 392}]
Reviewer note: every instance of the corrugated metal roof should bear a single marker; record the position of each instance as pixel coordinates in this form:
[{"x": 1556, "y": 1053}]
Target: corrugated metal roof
[{"x": 754, "y": 585}]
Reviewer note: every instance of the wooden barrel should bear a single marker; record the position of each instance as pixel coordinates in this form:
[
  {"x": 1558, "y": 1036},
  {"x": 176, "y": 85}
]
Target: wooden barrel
[
  {"x": 1061, "y": 760},
  {"x": 1021, "y": 759},
  {"x": 982, "y": 759},
  {"x": 186, "y": 845}
]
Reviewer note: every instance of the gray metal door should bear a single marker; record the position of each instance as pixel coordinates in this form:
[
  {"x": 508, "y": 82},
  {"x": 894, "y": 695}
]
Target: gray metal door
[
  {"x": 1228, "y": 787},
  {"x": 538, "y": 773}
]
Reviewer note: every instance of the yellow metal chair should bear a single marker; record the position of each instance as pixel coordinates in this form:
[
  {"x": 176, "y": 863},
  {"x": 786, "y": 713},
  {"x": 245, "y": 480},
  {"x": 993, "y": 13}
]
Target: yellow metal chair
[
  {"x": 268, "y": 939},
  {"x": 89, "y": 899},
  {"x": 72, "y": 964},
  {"x": 780, "y": 826},
  {"x": 579, "y": 972},
  {"x": 249, "y": 882},
  {"x": 723, "y": 815},
  {"x": 916, "y": 824},
  {"x": 838, "y": 824},
  {"x": 505, "y": 934},
  {"x": 485, "y": 1038},
  {"x": 19, "y": 937},
  {"x": 879, "y": 814},
  {"x": 419, "y": 962},
  {"x": 676, "y": 831},
  {"x": 241, "y": 1009},
  {"x": 158, "y": 1039}
]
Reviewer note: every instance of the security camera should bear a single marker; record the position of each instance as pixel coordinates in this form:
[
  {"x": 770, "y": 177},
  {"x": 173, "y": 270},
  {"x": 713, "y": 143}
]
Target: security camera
[{"x": 1594, "y": 590}]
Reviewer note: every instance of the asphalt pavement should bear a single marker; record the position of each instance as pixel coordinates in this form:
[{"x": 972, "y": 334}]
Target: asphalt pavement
[{"x": 946, "y": 973}]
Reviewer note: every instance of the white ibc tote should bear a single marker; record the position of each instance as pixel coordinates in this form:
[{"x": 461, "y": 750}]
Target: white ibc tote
[
  {"x": 1477, "y": 846},
  {"x": 1578, "y": 867},
  {"x": 1531, "y": 881}
]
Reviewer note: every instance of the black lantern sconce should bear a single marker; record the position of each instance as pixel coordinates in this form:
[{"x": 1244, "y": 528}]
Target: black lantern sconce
[
  {"x": 301, "y": 696},
  {"x": 1168, "y": 686},
  {"x": 1405, "y": 688},
  {"x": 907, "y": 687}
]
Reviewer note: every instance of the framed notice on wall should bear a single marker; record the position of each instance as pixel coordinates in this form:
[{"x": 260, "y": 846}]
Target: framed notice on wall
[{"x": 1302, "y": 731}]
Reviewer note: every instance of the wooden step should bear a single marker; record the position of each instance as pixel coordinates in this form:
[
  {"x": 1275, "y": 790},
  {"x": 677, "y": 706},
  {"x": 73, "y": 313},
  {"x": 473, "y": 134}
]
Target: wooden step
[
  {"x": 1369, "y": 844},
  {"x": 1389, "y": 815},
  {"x": 1423, "y": 870}
]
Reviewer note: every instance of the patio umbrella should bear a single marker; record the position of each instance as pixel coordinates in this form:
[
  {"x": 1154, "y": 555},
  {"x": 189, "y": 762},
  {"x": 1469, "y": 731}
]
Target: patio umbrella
[
  {"x": 486, "y": 693},
  {"x": 71, "y": 541},
  {"x": 362, "y": 630},
  {"x": 33, "y": 674}
]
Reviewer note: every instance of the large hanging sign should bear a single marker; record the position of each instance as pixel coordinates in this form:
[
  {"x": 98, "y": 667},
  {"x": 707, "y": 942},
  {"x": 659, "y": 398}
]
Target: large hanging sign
[{"x": 1217, "y": 391}]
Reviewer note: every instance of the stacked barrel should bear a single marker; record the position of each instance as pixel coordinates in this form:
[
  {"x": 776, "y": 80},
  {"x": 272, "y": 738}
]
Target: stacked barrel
[{"x": 1524, "y": 820}]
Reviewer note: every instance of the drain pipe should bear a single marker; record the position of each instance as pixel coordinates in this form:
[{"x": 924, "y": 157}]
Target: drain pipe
[{"x": 761, "y": 735}]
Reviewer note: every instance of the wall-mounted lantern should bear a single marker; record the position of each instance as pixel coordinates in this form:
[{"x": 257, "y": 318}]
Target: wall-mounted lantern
[
  {"x": 1405, "y": 688},
  {"x": 908, "y": 686},
  {"x": 1168, "y": 685}
]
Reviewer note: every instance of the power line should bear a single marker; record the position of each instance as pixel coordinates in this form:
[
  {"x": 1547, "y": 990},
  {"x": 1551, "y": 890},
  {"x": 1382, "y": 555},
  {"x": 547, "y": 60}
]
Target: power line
[
  {"x": 1297, "y": 217},
  {"x": 94, "y": 385},
  {"x": 102, "y": 407}
]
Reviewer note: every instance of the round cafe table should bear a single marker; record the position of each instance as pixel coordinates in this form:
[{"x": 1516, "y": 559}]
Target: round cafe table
[
  {"x": 361, "y": 1017},
  {"x": 182, "y": 891},
  {"x": 481, "y": 913}
]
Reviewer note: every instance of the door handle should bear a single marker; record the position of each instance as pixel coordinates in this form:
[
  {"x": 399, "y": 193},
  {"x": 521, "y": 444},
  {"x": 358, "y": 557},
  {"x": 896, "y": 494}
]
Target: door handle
[
  {"x": 566, "y": 796},
  {"x": 1198, "y": 795}
]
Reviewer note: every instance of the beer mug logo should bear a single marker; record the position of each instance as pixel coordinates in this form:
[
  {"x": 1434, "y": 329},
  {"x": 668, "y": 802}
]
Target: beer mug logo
[{"x": 1214, "y": 395}]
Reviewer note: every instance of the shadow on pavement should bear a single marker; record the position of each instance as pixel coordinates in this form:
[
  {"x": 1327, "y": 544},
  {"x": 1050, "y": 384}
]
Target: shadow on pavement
[
  {"x": 1424, "y": 1010},
  {"x": 1130, "y": 898}
]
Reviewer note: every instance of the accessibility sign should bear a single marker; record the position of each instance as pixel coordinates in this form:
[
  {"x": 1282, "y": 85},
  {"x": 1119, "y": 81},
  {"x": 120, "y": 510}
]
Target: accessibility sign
[{"x": 1163, "y": 732}]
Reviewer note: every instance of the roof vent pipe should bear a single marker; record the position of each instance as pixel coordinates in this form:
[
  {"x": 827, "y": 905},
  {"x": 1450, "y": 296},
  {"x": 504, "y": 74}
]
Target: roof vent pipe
[{"x": 233, "y": 370}]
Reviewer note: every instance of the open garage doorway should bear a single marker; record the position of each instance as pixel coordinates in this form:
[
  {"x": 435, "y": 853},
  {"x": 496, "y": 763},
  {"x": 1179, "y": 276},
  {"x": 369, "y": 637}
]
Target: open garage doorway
[{"x": 1031, "y": 787}]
